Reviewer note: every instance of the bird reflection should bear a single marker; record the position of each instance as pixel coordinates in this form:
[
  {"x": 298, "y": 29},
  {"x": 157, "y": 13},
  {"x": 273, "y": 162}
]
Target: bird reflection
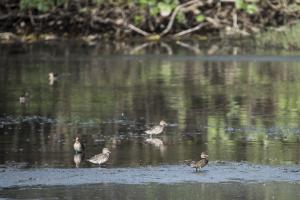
[
  {"x": 78, "y": 157},
  {"x": 155, "y": 141},
  {"x": 158, "y": 143}
]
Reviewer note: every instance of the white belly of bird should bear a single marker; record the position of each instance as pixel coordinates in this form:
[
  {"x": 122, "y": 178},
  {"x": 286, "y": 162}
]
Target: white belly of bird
[{"x": 77, "y": 147}]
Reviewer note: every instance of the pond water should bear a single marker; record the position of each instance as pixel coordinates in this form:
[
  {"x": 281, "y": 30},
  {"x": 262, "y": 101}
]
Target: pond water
[{"x": 241, "y": 105}]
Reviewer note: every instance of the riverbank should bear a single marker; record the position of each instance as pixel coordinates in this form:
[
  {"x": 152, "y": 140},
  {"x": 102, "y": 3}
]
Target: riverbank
[{"x": 152, "y": 20}]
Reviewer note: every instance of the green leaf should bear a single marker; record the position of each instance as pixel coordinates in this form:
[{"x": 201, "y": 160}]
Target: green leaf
[
  {"x": 143, "y": 2},
  {"x": 180, "y": 17},
  {"x": 165, "y": 9},
  {"x": 200, "y": 18},
  {"x": 240, "y": 4},
  {"x": 154, "y": 11},
  {"x": 137, "y": 19},
  {"x": 251, "y": 9}
]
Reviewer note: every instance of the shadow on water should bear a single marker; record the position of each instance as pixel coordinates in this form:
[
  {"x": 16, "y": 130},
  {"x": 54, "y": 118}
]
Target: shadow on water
[{"x": 242, "y": 107}]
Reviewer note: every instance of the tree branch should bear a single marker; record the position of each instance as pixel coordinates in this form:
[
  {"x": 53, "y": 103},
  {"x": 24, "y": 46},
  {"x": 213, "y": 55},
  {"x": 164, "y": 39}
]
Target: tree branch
[
  {"x": 182, "y": 33},
  {"x": 138, "y": 30},
  {"x": 176, "y": 10}
]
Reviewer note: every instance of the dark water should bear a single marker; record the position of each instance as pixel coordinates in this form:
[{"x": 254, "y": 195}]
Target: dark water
[
  {"x": 240, "y": 105},
  {"x": 162, "y": 191}
]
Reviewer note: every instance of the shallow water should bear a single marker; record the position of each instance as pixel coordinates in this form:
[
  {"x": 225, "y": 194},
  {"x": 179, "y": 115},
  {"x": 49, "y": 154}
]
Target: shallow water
[
  {"x": 217, "y": 172},
  {"x": 240, "y": 105},
  {"x": 191, "y": 191}
]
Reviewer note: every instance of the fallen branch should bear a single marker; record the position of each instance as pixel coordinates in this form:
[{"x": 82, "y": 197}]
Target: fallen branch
[
  {"x": 176, "y": 10},
  {"x": 214, "y": 22},
  {"x": 138, "y": 30},
  {"x": 185, "y": 32}
]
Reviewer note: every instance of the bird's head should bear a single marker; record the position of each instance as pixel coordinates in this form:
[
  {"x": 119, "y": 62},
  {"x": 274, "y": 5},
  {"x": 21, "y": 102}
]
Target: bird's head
[
  {"x": 105, "y": 150},
  {"x": 163, "y": 123}
]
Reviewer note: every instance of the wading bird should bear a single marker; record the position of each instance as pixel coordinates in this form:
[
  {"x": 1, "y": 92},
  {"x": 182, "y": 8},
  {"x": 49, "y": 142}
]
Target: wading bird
[
  {"x": 100, "y": 158},
  {"x": 78, "y": 146},
  {"x": 201, "y": 163},
  {"x": 158, "y": 129},
  {"x": 52, "y": 77}
]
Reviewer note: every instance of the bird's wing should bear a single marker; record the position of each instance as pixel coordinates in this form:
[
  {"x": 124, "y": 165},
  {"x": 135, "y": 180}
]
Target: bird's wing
[
  {"x": 82, "y": 146},
  {"x": 201, "y": 163},
  {"x": 153, "y": 129},
  {"x": 99, "y": 158}
]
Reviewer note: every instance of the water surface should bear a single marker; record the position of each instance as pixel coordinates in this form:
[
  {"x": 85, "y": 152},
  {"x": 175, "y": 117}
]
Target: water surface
[{"x": 240, "y": 105}]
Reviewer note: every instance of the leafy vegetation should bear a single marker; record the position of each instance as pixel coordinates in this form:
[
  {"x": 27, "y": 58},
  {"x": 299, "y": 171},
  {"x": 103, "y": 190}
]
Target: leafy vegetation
[
  {"x": 149, "y": 18},
  {"x": 40, "y": 5},
  {"x": 250, "y": 8}
]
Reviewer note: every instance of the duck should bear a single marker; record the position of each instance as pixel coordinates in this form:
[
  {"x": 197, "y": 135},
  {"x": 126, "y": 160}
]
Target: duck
[
  {"x": 78, "y": 146},
  {"x": 158, "y": 129},
  {"x": 52, "y": 77},
  {"x": 24, "y": 98},
  {"x": 201, "y": 163},
  {"x": 100, "y": 158}
]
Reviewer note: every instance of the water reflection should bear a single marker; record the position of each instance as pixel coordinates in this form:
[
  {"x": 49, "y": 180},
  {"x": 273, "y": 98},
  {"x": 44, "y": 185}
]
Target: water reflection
[
  {"x": 78, "y": 158},
  {"x": 234, "y": 110},
  {"x": 158, "y": 143}
]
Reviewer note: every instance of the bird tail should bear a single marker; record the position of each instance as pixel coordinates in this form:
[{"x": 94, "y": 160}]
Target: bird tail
[{"x": 189, "y": 162}]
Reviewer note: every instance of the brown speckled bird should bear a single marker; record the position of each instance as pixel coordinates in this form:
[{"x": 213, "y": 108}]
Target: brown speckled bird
[{"x": 201, "y": 163}]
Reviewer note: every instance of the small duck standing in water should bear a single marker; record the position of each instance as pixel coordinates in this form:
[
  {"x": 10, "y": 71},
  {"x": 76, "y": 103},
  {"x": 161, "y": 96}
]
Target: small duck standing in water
[
  {"x": 78, "y": 146},
  {"x": 100, "y": 158},
  {"x": 157, "y": 129},
  {"x": 201, "y": 163},
  {"x": 24, "y": 98},
  {"x": 52, "y": 77}
]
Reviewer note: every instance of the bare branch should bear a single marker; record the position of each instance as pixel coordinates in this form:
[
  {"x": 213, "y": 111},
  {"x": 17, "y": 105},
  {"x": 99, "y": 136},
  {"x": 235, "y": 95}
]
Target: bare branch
[
  {"x": 182, "y": 33},
  {"x": 176, "y": 10},
  {"x": 138, "y": 30},
  {"x": 214, "y": 22}
]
